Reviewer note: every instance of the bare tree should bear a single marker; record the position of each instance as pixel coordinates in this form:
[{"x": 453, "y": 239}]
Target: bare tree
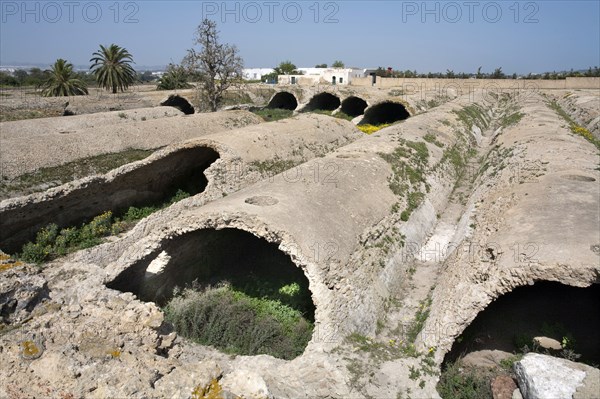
[{"x": 217, "y": 66}]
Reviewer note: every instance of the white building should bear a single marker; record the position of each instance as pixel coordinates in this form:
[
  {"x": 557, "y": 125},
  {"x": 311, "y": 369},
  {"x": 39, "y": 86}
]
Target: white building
[
  {"x": 314, "y": 76},
  {"x": 256, "y": 73}
]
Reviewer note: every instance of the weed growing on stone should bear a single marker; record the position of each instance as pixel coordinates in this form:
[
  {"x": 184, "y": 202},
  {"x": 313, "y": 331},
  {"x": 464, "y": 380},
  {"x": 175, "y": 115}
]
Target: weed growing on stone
[
  {"x": 417, "y": 325},
  {"x": 430, "y": 138},
  {"x": 575, "y": 128},
  {"x": 408, "y": 162},
  {"x": 272, "y": 167},
  {"x": 473, "y": 115},
  {"x": 511, "y": 119}
]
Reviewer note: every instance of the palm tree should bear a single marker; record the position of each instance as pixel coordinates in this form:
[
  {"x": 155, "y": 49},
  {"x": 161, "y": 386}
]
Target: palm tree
[
  {"x": 63, "y": 81},
  {"x": 112, "y": 69},
  {"x": 175, "y": 78}
]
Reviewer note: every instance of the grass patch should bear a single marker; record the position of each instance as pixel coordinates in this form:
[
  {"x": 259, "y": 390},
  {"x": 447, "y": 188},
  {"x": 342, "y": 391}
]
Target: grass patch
[
  {"x": 380, "y": 351},
  {"x": 343, "y": 115},
  {"x": 414, "y": 200},
  {"x": 321, "y": 112},
  {"x": 456, "y": 158},
  {"x": 57, "y": 175},
  {"x": 238, "y": 323},
  {"x": 273, "y": 114},
  {"x": 473, "y": 115},
  {"x": 51, "y": 243},
  {"x": 417, "y": 325},
  {"x": 9, "y": 115},
  {"x": 272, "y": 167},
  {"x": 430, "y": 138},
  {"x": 408, "y": 162},
  {"x": 511, "y": 119},
  {"x": 553, "y": 105}
]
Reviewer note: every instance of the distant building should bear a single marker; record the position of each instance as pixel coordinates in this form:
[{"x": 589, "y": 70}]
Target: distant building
[
  {"x": 333, "y": 76},
  {"x": 256, "y": 73}
]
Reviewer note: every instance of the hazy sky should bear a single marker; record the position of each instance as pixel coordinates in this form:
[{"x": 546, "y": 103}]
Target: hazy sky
[{"x": 524, "y": 36}]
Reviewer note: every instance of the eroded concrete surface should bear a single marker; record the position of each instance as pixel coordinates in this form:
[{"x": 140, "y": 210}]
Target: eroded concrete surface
[{"x": 531, "y": 214}]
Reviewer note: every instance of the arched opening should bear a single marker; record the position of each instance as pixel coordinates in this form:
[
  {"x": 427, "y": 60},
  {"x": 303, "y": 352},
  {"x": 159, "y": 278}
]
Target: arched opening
[
  {"x": 385, "y": 112},
  {"x": 323, "y": 102},
  {"x": 568, "y": 315},
  {"x": 333, "y": 80},
  {"x": 283, "y": 100},
  {"x": 148, "y": 185},
  {"x": 180, "y": 103},
  {"x": 231, "y": 279},
  {"x": 354, "y": 106}
]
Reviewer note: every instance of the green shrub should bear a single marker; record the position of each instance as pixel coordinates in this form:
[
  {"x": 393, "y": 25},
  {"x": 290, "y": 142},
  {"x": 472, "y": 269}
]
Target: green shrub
[
  {"x": 179, "y": 195},
  {"x": 237, "y": 323},
  {"x": 99, "y": 226},
  {"x": 404, "y": 216},
  {"x": 133, "y": 213},
  {"x": 35, "y": 253},
  {"x": 290, "y": 290},
  {"x": 47, "y": 235},
  {"x": 50, "y": 243},
  {"x": 464, "y": 383},
  {"x": 176, "y": 77},
  {"x": 41, "y": 250},
  {"x": 67, "y": 239}
]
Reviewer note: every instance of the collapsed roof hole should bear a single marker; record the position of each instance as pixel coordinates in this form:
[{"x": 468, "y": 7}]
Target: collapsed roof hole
[
  {"x": 152, "y": 184},
  {"x": 323, "y": 102},
  {"x": 243, "y": 294},
  {"x": 385, "y": 112},
  {"x": 354, "y": 106},
  {"x": 180, "y": 103},
  {"x": 545, "y": 309},
  {"x": 283, "y": 100}
]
